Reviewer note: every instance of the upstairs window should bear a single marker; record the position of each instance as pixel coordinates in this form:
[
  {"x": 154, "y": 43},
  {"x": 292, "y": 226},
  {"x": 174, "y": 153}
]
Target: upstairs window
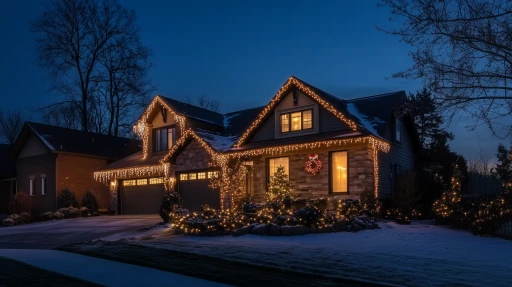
[
  {"x": 164, "y": 138},
  {"x": 398, "y": 130},
  {"x": 31, "y": 187},
  {"x": 297, "y": 121}
]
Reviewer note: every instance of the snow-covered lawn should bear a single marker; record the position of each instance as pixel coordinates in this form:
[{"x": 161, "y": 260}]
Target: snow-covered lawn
[{"x": 419, "y": 254}]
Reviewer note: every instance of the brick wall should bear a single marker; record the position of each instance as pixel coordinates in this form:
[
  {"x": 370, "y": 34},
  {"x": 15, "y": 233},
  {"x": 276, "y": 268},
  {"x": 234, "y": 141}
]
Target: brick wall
[
  {"x": 76, "y": 173},
  {"x": 307, "y": 185}
]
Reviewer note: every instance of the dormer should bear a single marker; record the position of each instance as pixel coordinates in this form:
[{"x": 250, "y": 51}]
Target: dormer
[{"x": 296, "y": 115}]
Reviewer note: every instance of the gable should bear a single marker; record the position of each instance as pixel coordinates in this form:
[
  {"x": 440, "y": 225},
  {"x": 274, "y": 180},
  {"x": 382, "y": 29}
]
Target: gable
[
  {"x": 295, "y": 100},
  {"x": 192, "y": 156},
  {"x": 159, "y": 121},
  {"x": 32, "y": 147}
]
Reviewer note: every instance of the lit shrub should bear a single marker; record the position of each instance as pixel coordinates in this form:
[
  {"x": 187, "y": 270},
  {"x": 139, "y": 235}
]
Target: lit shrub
[
  {"x": 170, "y": 202},
  {"x": 308, "y": 216}
]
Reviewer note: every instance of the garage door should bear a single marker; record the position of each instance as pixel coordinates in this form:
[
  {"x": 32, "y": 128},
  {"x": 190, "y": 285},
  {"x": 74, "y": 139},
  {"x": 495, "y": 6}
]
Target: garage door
[
  {"x": 141, "y": 196},
  {"x": 194, "y": 190}
]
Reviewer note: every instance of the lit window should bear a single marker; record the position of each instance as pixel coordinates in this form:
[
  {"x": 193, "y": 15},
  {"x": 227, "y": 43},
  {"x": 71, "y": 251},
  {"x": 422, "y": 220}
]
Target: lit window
[
  {"x": 296, "y": 121},
  {"x": 129, "y": 182},
  {"x": 398, "y": 130},
  {"x": 201, "y": 175},
  {"x": 143, "y": 181},
  {"x": 213, "y": 174},
  {"x": 192, "y": 176},
  {"x": 274, "y": 163},
  {"x": 307, "y": 119},
  {"x": 43, "y": 185},
  {"x": 285, "y": 123},
  {"x": 31, "y": 186},
  {"x": 156, "y": 180},
  {"x": 339, "y": 171},
  {"x": 183, "y": 176}
]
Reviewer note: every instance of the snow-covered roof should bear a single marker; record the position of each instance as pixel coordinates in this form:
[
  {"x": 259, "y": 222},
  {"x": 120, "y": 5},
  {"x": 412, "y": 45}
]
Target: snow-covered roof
[
  {"x": 368, "y": 122},
  {"x": 217, "y": 141}
]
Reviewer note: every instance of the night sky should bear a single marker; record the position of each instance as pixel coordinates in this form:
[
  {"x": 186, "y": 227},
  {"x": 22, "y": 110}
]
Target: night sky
[{"x": 240, "y": 52}]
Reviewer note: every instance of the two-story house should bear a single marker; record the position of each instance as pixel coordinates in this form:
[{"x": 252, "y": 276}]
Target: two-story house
[{"x": 329, "y": 147}]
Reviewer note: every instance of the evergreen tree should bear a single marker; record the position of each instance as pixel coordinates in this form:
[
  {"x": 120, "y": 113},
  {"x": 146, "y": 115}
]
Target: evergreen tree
[
  {"x": 503, "y": 169},
  {"x": 427, "y": 118},
  {"x": 279, "y": 186},
  {"x": 446, "y": 208}
]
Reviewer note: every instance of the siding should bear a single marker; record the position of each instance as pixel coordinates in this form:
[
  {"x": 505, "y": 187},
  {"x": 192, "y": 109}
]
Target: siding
[
  {"x": 402, "y": 154},
  {"x": 36, "y": 166},
  {"x": 32, "y": 147},
  {"x": 75, "y": 172}
]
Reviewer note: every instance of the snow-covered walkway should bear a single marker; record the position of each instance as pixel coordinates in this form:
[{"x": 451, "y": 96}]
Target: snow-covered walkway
[
  {"x": 419, "y": 254},
  {"x": 101, "y": 271}
]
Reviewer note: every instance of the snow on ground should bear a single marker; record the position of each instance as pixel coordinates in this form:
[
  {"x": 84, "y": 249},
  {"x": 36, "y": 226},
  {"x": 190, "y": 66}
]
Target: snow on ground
[{"x": 419, "y": 254}]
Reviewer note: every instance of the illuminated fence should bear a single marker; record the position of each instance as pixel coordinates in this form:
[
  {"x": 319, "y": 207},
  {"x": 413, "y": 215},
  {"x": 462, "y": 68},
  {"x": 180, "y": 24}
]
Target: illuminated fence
[{"x": 505, "y": 231}]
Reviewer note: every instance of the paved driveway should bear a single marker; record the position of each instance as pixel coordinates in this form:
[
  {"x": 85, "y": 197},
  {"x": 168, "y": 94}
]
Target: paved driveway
[{"x": 51, "y": 234}]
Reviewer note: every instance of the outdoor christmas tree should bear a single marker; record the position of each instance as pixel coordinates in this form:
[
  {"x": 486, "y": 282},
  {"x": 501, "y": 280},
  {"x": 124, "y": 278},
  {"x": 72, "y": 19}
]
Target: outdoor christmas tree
[
  {"x": 445, "y": 209},
  {"x": 279, "y": 186}
]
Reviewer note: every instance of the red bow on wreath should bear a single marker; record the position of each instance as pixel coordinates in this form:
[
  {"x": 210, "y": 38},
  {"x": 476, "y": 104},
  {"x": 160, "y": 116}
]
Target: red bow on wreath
[{"x": 314, "y": 165}]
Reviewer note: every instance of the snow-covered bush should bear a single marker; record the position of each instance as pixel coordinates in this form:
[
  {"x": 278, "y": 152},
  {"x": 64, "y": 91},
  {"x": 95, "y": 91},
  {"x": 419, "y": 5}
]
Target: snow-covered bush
[
  {"x": 46, "y": 216},
  {"x": 25, "y": 218},
  {"x": 85, "y": 212},
  {"x": 8, "y": 222},
  {"x": 15, "y": 218},
  {"x": 58, "y": 215},
  {"x": 90, "y": 201},
  {"x": 69, "y": 212},
  {"x": 67, "y": 198}
]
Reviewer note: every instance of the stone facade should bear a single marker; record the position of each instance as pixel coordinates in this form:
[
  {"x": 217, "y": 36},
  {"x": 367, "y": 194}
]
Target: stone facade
[
  {"x": 360, "y": 173},
  {"x": 192, "y": 157}
]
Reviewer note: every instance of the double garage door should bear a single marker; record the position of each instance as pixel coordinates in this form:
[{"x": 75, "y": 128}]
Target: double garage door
[{"x": 143, "y": 196}]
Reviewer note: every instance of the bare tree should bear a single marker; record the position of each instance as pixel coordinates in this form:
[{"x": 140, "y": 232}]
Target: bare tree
[
  {"x": 204, "y": 102},
  {"x": 11, "y": 123},
  {"x": 462, "y": 51},
  {"x": 480, "y": 163},
  {"x": 74, "y": 40}
]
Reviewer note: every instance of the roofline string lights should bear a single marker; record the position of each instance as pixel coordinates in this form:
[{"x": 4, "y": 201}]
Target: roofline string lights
[
  {"x": 141, "y": 128},
  {"x": 138, "y": 171},
  {"x": 306, "y": 90}
]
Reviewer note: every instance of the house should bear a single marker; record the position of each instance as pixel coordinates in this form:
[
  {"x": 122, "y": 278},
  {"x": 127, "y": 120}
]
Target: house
[
  {"x": 7, "y": 177},
  {"x": 50, "y": 159},
  {"x": 329, "y": 147}
]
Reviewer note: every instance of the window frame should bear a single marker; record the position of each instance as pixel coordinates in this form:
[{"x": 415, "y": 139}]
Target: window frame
[
  {"x": 331, "y": 191},
  {"x": 268, "y": 167},
  {"x": 158, "y": 139},
  {"x": 289, "y": 115},
  {"x": 43, "y": 185},
  {"x": 32, "y": 186},
  {"x": 398, "y": 127}
]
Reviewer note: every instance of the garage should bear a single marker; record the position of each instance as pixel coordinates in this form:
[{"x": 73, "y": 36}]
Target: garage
[
  {"x": 194, "y": 189},
  {"x": 141, "y": 196}
]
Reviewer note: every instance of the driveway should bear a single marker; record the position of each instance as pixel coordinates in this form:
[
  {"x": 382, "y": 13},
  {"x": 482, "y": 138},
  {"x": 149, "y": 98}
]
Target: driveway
[{"x": 52, "y": 234}]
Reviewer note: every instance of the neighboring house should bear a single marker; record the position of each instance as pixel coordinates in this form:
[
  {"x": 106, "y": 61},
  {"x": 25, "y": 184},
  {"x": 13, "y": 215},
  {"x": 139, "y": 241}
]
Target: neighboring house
[
  {"x": 360, "y": 143},
  {"x": 7, "y": 177},
  {"x": 50, "y": 159}
]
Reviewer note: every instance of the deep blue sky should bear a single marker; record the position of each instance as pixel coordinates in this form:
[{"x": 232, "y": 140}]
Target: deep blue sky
[{"x": 239, "y": 52}]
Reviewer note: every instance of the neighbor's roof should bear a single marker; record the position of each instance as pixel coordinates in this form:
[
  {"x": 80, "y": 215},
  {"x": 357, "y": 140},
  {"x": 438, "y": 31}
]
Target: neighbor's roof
[
  {"x": 58, "y": 139},
  {"x": 7, "y": 164},
  {"x": 135, "y": 159}
]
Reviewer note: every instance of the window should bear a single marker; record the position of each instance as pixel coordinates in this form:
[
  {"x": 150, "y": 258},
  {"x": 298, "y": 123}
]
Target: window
[
  {"x": 285, "y": 123},
  {"x": 213, "y": 174},
  {"x": 274, "y": 163},
  {"x": 398, "y": 130},
  {"x": 31, "y": 186},
  {"x": 183, "y": 176},
  {"x": 142, "y": 181},
  {"x": 165, "y": 138},
  {"x": 201, "y": 175},
  {"x": 129, "y": 182},
  {"x": 43, "y": 185},
  {"x": 297, "y": 121},
  {"x": 156, "y": 180},
  {"x": 339, "y": 171},
  {"x": 192, "y": 176}
]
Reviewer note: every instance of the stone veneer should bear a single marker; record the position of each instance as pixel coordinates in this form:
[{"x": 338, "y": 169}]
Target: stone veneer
[{"x": 307, "y": 185}]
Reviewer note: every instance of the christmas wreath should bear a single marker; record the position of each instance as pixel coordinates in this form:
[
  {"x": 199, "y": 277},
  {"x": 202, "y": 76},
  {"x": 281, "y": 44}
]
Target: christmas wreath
[{"x": 313, "y": 165}]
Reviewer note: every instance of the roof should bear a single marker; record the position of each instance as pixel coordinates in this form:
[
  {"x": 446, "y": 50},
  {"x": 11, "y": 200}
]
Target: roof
[
  {"x": 135, "y": 159},
  {"x": 195, "y": 112},
  {"x": 374, "y": 112},
  {"x": 7, "y": 164},
  {"x": 58, "y": 139}
]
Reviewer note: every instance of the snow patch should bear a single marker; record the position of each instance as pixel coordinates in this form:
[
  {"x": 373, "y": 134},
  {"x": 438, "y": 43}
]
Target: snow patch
[
  {"x": 216, "y": 141},
  {"x": 228, "y": 118},
  {"x": 369, "y": 123}
]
